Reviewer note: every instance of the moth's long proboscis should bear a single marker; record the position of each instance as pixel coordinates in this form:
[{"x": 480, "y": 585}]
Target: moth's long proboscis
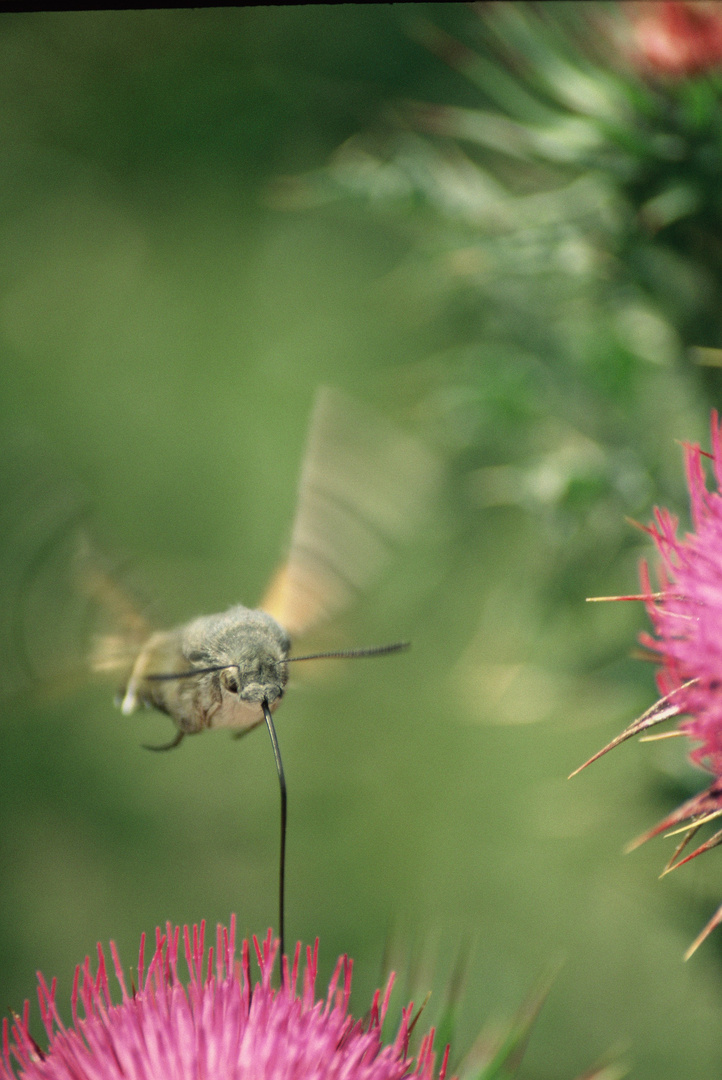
[{"x": 284, "y": 813}]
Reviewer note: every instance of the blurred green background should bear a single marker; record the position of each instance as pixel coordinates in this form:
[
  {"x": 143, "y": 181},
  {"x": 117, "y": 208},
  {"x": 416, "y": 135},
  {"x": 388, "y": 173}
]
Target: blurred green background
[{"x": 205, "y": 216}]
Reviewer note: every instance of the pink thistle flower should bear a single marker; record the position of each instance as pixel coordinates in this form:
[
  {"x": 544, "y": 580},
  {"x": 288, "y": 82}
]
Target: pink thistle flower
[
  {"x": 218, "y": 1027},
  {"x": 686, "y": 617},
  {"x": 678, "y": 38}
]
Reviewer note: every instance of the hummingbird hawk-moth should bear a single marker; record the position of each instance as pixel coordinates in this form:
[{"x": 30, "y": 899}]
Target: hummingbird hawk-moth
[{"x": 365, "y": 489}]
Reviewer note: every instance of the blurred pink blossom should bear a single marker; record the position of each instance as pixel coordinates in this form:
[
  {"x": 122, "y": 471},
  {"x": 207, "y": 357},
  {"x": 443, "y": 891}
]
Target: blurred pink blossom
[
  {"x": 218, "y": 1027},
  {"x": 678, "y": 37}
]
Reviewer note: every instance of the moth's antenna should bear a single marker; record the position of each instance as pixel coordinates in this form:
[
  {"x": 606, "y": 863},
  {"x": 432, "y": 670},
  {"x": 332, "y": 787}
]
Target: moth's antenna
[
  {"x": 351, "y": 654},
  {"x": 187, "y": 674},
  {"x": 344, "y": 654},
  {"x": 282, "y": 784}
]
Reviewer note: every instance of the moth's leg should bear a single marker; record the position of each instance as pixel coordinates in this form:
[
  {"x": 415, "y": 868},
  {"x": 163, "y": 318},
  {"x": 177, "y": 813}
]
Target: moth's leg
[
  {"x": 245, "y": 730},
  {"x": 166, "y": 746}
]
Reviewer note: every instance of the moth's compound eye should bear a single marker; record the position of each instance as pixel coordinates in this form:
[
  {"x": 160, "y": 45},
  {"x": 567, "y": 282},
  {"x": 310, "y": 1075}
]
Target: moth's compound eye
[
  {"x": 197, "y": 657},
  {"x": 230, "y": 682}
]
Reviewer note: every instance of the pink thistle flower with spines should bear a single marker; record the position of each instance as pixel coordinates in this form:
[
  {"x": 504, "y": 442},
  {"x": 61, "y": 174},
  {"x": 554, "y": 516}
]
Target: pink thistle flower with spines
[
  {"x": 218, "y": 1027},
  {"x": 686, "y": 617}
]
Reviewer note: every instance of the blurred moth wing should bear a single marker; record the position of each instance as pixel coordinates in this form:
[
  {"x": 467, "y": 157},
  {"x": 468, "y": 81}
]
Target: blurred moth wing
[
  {"x": 115, "y": 651},
  {"x": 365, "y": 489},
  {"x": 63, "y": 607}
]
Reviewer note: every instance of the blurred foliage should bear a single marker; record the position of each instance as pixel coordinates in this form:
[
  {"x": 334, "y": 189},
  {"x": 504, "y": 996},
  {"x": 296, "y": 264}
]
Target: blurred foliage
[
  {"x": 565, "y": 234},
  {"x": 516, "y": 257}
]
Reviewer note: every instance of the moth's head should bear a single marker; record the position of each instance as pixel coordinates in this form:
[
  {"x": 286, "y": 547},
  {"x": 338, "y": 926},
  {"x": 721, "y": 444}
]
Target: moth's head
[
  {"x": 247, "y": 648},
  {"x": 251, "y": 685}
]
